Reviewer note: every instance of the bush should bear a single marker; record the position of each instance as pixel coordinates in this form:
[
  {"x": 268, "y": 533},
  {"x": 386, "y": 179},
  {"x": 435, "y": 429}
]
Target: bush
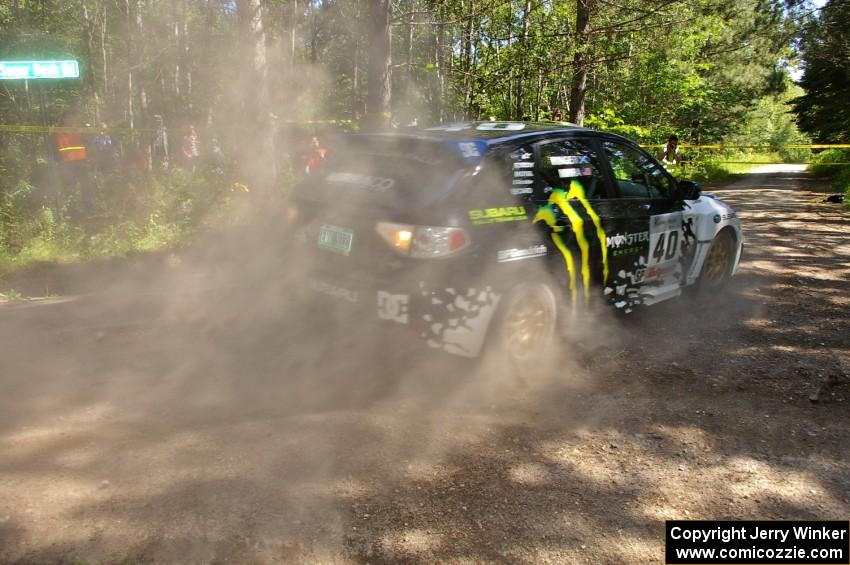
[
  {"x": 834, "y": 164},
  {"x": 111, "y": 213}
]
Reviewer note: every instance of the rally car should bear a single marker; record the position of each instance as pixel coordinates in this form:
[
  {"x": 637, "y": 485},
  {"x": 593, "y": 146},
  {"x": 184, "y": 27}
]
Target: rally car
[{"x": 499, "y": 232}]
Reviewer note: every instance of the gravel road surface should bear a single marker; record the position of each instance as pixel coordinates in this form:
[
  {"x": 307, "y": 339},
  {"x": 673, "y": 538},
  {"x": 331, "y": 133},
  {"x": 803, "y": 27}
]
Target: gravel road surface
[{"x": 145, "y": 418}]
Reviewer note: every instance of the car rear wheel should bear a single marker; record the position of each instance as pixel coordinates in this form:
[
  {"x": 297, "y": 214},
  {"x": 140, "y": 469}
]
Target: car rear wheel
[
  {"x": 528, "y": 327},
  {"x": 718, "y": 263}
]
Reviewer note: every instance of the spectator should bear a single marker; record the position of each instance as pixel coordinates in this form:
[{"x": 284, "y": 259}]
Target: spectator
[
  {"x": 71, "y": 154},
  {"x": 191, "y": 144},
  {"x": 105, "y": 152},
  {"x": 216, "y": 156},
  {"x": 315, "y": 155},
  {"x": 669, "y": 154},
  {"x": 159, "y": 147}
]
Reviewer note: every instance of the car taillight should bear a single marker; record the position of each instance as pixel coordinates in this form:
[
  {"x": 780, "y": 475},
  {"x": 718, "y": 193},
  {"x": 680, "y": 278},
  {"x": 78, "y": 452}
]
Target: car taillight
[
  {"x": 399, "y": 236},
  {"x": 423, "y": 241}
]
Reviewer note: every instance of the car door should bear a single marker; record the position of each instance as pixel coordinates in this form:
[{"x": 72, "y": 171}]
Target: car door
[
  {"x": 570, "y": 190},
  {"x": 645, "y": 229}
]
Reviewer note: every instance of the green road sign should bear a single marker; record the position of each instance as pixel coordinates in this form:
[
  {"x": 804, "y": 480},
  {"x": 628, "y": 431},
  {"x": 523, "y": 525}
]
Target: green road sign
[{"x": 29, "y": 70}]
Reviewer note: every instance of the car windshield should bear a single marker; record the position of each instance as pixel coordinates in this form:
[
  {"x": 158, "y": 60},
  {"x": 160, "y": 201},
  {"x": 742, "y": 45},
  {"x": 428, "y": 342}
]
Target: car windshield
[{"x": 385, "y": 171}]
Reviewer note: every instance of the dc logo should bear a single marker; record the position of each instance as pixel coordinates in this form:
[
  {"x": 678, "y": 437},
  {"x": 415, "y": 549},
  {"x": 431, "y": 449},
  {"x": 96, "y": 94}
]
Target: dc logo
[{"x": 393, "y": 307}]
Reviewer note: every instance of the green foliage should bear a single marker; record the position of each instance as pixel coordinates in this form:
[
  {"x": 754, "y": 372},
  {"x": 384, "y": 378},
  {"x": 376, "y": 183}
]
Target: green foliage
[
  {"x": 607, "y": 120},
  {"x": 11, "y": 295},
  {"x": 834, "y": 164},
  {"x": 823, "y": 163},
  {"x": 771, "y": 125},
  {"x": 124, "y": 213},
  {"x": 714, "y": 169}
]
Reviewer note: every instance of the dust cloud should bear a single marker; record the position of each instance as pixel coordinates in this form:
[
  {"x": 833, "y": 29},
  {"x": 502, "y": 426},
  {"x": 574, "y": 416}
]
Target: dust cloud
[
  {"x": 184, "y": 404},
  {"x": 198, "y": 405}
]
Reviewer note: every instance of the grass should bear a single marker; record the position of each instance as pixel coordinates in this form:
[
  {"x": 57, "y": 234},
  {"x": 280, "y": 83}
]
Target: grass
[
  {"x": 710, "y": 169},
  {"x": 11, "y": 295}
]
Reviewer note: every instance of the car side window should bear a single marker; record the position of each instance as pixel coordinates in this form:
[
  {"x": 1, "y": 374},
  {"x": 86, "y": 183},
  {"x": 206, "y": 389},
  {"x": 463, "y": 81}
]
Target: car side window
[
  {"x": 563, "y": 162},
  {"x": 635, "y": 174}
]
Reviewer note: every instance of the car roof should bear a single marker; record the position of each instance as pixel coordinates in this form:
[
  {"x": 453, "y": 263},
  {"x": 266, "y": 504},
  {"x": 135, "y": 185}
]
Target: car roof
[
  {"x": 491, "y": 132},
  {"x": 485, "y": 136}
]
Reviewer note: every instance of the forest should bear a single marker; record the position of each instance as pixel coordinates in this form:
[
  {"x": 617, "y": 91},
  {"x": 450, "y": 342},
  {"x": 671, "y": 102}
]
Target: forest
[{"x": 206, "y": 103}]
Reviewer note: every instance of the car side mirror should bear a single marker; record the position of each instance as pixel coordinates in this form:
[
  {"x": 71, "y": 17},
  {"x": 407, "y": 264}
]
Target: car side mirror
[{"x": 689, "y": 190}]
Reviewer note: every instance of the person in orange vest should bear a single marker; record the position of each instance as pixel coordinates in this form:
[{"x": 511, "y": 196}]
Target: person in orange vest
[
  {"x": 73, "y": 166},
  {"x": 70, "y": 147}
]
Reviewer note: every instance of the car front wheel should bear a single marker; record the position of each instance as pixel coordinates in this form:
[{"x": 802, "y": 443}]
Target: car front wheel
[{"x": 719, "y": 262}]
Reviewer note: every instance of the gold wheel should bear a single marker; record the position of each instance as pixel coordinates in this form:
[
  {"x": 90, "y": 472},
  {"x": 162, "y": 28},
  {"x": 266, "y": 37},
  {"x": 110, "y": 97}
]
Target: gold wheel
[
  {"x": 528, "y": 322},
  {"x": 718, "y": 264}
]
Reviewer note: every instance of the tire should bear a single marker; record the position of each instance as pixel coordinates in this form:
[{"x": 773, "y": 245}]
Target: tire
[
  {"x": 717, "y": 267},
  {"x": 527, "y": 329}
]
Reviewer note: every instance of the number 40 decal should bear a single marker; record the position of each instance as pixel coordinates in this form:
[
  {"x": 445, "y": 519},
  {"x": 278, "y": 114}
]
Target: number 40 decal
[{"x": 666, "y": 247}]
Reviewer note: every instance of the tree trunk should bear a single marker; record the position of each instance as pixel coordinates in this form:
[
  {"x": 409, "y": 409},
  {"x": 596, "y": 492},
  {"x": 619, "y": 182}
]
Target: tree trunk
[
  {"x": 139, "y": 30},
  {"x": 438, "y": 64},
  {"x": 293, "y": 35},
  {"x": 380, "y": 66},
  {"x": 91, "y": 78},
  {"x": 467, "y": 61},
  {"x": 182, "y": 73},
  {"x": 539, "y": 94},
  {"x": 356, "y": 112},
  {"x": 131, "y": 59},
  {"x": 290, "y": 17},
  {"x": 255, "y": 135},
  {"x": 580, "y": 63},
  {"x": 282, "y": 85},
  {"x": 253, "y": 50},
  {"x": 408, "y": 72},
  {"x": 175, "y": 25},
  {"x": 187, "y": 57},
  {"x": 104, "y": 75},
  {"x": 520, "y": 93}
]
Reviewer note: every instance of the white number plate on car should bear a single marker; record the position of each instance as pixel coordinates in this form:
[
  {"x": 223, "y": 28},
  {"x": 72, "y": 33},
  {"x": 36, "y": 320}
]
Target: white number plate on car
[{"x": 335, "y": 239}]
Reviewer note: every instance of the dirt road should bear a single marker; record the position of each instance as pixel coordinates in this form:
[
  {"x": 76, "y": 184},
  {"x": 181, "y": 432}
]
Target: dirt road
[{"x": 147, "y": 419}]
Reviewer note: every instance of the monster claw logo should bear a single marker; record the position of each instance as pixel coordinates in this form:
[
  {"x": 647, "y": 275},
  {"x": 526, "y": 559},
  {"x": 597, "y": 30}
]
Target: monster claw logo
[{"x": 560, "y": 198}]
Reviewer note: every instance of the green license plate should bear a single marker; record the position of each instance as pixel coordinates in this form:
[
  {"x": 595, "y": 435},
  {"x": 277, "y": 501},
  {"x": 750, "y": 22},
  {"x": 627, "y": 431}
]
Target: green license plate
[{"x": 335, "y": 239}]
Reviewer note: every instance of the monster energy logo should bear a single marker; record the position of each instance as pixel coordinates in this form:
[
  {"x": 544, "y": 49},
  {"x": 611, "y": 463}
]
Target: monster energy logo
[
  {"x": 560, "y": 198},
  {"x": 619, "y": 240}
]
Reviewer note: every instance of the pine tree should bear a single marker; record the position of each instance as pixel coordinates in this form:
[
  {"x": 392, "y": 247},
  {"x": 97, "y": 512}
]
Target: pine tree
[{"x": 823, "y": 111}]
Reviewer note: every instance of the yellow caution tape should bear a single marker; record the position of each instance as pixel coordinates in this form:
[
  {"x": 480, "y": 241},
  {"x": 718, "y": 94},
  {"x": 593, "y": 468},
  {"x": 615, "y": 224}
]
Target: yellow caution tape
[
  {"x": 93, "y": 130},
  {"x": 761, "y": 147},
  {"x": 57, "y": 129}
]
